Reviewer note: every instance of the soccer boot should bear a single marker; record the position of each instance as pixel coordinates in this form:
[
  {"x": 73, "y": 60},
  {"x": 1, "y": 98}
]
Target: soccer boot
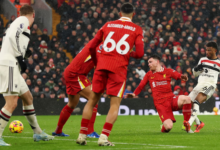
[
  {"x": 2, "y": 142},
  {"x": 93, "y": 135},
  {"x": 81, "y": 139},
  {"x": 184, "y": 129},
  {"x": 103, "y": 141},
  {"x": 42, "y": 136},
  {"x": 199, "y": 127},
  {"x": 60, "y": 134},
  {"x": 187, "y": 126}
]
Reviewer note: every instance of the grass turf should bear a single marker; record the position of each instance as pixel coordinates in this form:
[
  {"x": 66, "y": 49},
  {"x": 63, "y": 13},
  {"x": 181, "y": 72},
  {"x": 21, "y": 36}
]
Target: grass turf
[{"x": 129, "y": 132}]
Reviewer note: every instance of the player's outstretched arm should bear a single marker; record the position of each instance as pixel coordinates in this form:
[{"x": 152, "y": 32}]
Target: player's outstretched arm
[
  {"x": 130, "y": 95},
  {"x": 141, "y": 85}
]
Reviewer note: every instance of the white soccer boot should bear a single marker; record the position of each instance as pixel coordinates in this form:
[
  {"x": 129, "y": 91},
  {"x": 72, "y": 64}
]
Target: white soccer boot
[
  {"x": 43, "y": 136},
  {"x": 2, "y": 142},
  {"x": 81, "y": 139},
  {"x": 103, "y": 141}
]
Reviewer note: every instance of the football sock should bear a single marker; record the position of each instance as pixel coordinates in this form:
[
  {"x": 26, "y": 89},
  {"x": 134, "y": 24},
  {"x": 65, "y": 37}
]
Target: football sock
[
  {"x": 195, "y": 112},
  {"x": 30, "y": 115},
  {"x": 186, "y": 111},
  {"x": 92, "y": 120},
  {"x": 163, "y": 129},
  {"x": 64, "y": 116},
  {"x": 197, "y": 120},
  {"x": 107, "y": 128},
  {"x": 4, "y": 118},
  {"x": 84, "y": 126}
]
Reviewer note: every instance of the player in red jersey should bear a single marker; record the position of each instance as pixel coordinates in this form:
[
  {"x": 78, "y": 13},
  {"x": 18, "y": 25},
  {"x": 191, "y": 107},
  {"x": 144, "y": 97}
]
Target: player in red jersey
[
  {"x": 165, "y": 101},
  {"x": 118, "y": 38},
  {"x": 77, "y": 85}
]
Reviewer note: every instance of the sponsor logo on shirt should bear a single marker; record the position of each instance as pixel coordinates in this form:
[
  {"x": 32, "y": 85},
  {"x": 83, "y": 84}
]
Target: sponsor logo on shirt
[{"x": 154, "y": 84}]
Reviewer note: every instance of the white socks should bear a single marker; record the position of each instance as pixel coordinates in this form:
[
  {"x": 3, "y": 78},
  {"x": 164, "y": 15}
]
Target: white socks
[
  {"x": 194, "y": 113},
  {"x": 30, "y": 115},
  {"x": 4, "y": 118}
]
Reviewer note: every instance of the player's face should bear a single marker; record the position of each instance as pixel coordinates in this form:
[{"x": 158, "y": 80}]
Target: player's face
[
  {"x": 210, "y": 52},
  {"x": 32, "y": 19},
  {"x": 152, "y": 63}
]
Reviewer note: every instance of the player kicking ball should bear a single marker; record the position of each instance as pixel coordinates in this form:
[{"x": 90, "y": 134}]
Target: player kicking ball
[
  {"x": 77, "y": 85},
  {"x": 208, "y": 70},
  {"x": 118, "y": 38},
  {"x": 12, "y": 84},
  {"x": 165, "y": 101}
]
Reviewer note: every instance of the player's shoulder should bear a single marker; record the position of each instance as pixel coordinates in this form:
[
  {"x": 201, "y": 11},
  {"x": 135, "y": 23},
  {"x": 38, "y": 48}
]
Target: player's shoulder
[{"x": 169, "y": 70}]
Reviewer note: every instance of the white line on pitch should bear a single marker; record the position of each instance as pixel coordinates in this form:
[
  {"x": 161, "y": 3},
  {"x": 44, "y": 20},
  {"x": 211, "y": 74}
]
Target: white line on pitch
[{"x": 158, "y": 145}]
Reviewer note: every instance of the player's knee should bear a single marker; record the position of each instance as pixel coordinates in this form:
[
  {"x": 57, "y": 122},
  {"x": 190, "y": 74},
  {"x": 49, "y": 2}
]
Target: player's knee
[
  {"x": 187, "y": 100},
  {"x": 13, "y": 106}
]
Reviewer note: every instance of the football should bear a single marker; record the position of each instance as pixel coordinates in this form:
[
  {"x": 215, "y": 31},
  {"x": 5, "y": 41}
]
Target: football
[
  {"x": 16, "y": 126},
  {"x": 215, "y": 109}
]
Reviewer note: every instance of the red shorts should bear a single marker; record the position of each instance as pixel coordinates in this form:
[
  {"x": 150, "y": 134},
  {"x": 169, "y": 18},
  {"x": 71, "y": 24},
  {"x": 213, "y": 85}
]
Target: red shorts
[
  {"x": 165, "y": 109},
  {"x": 75, "y": 83},
  {"x": 112, "y": 82}
]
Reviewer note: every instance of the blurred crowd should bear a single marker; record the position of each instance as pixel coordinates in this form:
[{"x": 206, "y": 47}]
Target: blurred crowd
[{"x": 177, "y": 30}]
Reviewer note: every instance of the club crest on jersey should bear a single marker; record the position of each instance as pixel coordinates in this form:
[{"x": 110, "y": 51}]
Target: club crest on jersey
[
  {"x": 21, "y": 25},
  {"x": 164, "y": 75},
  {"x": 100, "y": 47}
]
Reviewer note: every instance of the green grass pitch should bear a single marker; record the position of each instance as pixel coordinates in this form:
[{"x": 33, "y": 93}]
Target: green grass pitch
[{"x": 129, "y": 132}]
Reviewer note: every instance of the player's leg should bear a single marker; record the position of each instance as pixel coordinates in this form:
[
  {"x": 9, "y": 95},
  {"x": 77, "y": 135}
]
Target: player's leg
[
  {"x": 201, "y": 97},
  {"x": 86, "y": 94},
  {"x": 110, "y": 120},
  {"x": 87, "y": 114},
  {"x": 65, "y": 114},
  {"x": 167, "y": 126},
  {"x": 98, "y": 87},
  {"x": 5, "y": 114},
  {"x": 184, "y": 103},
  {"x": 115, "y": 88},
  {"x": 29, "y": 112}
]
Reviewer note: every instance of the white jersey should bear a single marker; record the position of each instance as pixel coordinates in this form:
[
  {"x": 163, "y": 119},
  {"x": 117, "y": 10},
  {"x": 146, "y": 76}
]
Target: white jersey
[
  {"x": 211, "y": 69},
  {"x": 15, "y": 41}
]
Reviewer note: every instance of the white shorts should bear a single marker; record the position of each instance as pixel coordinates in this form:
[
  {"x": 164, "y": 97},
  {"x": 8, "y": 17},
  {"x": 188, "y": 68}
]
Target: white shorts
[
  {"x": 206, "y": 88},
  {"x": 11, "y": 81}
]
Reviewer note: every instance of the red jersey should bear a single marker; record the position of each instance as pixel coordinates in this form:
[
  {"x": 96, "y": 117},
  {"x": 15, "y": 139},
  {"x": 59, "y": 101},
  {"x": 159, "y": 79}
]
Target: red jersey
[
  {"x": 117, "y": 39},
  {"x": 159, "y": 83},
  {"x": 82, "y": 63}
]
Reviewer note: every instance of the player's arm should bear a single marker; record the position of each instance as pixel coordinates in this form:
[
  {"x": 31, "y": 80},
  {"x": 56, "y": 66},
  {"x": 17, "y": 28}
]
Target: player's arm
[
  {"x": 95, "y": 42},
  {"x": 140, "y": 87},
  {"x": 14, "y": 37},
  {"x": 198, "y": 69},
  {"x": 177, "y": 76},
  {"x": 139, "y": 45}
]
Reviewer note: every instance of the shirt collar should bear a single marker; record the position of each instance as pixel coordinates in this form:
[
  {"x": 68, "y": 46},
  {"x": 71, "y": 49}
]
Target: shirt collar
[
  {"x": 161, "y": 70},
  {"x": 125, "y": 19}
]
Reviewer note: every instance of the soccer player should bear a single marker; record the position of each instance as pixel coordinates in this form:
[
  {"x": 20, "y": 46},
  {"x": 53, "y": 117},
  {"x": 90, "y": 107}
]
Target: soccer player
[
  {"x": 207, "y": 69},
  {"x": 12, "y": 85},
  {"x": 165, "y": 101},
  {"x": 117, "y": 39},
  {"x": 77, "y": 85}
]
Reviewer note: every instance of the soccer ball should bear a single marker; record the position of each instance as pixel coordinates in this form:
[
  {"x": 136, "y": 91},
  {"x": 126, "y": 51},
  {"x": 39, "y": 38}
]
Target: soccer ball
[
  {"x": 215, "y": 109},
  {"x": 16, "y": 126}
]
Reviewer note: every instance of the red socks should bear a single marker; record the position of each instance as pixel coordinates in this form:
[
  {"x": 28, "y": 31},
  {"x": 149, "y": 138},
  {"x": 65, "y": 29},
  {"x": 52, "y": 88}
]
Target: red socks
[
  {"x": 164, "y": 130},
  {"x": 92, "y": 120},
  {"x": 84, "y": 126},
  {"x": 187, "y": 111},
  {"x": 107, "y": 128},
  {"x": 64, "y": 116}
]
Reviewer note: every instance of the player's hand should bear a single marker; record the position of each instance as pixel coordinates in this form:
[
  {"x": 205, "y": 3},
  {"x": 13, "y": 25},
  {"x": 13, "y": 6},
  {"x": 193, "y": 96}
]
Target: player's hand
[
  {"x": 130, "y": 95},
  {"x": 184, "y": 77},
  {"x": 198, "y": 68},
  {"x": 28, "y": 54}
]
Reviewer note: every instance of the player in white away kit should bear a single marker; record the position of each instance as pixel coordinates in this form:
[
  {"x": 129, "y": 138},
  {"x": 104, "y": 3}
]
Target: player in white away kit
[
  {"x": 208, "y": 70},
  {"x": 12, "y": 85}
]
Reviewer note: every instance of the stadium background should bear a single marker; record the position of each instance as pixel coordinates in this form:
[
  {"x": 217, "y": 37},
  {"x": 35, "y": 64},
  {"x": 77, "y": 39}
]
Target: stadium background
[{"x": 177, "y": 30}]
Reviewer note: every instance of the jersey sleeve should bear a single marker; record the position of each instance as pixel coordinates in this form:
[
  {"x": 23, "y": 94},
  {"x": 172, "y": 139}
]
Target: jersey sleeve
[
  {"x": 14, "y": 35},
  {"x": 197, "y": 73},
  {"x": 174, "y": 74},
  {"x": 139, "y": 45},
  {"x": 95, "y": 42},
  {"x": 141, "y": 85}
]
